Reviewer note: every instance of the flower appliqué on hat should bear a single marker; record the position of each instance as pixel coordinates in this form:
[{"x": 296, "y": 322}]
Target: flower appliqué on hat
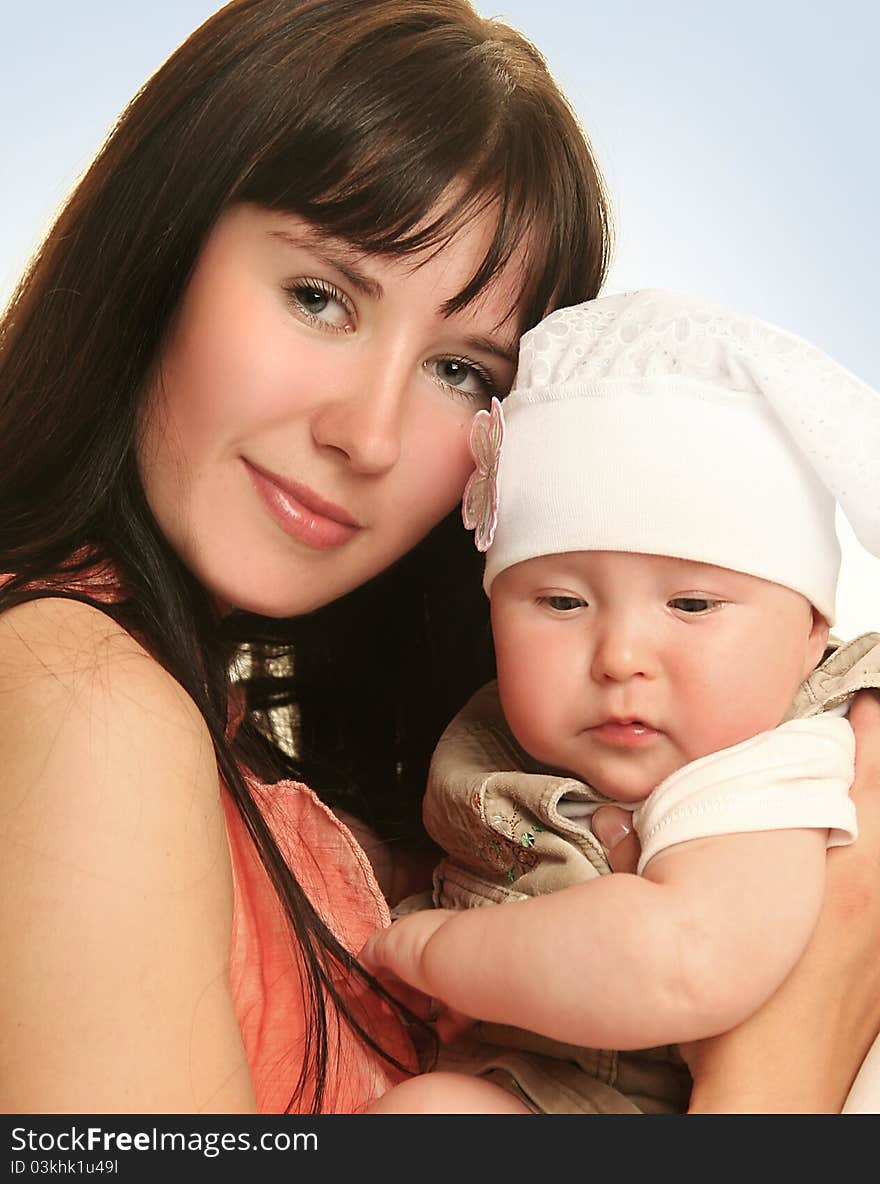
[{"x": 479, "y": 506}]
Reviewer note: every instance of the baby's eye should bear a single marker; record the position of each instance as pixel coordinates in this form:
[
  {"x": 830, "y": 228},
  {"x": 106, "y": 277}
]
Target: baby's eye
[
  {"x": 464, "y": 377},
  {"x": 562, "y": 604},
  {"x": 694, "y": 605},
  {"x": 321, "y": 303}
]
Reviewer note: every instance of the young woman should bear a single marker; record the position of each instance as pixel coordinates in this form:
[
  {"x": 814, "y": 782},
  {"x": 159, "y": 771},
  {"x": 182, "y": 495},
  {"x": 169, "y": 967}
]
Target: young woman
[{"x": 235, "y": 385}]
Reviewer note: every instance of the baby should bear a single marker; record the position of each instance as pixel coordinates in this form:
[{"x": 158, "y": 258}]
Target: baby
[{"x": 656, "y": 501}]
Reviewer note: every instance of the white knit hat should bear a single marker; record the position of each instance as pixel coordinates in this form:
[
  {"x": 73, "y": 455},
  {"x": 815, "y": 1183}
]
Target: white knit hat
[{"x": 655, "y": 422}]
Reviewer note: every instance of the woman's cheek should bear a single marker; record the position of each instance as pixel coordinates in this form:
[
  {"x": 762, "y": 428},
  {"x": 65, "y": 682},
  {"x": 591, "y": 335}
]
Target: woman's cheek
[{"x": 440, "y": 463}]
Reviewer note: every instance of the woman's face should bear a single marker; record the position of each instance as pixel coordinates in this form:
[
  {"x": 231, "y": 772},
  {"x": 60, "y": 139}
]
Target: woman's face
[{"x": 309, "y": 421}]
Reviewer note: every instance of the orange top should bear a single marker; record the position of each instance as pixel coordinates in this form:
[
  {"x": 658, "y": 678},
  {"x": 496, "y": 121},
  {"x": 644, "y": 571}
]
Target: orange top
[{"x": 265, "y": 962}]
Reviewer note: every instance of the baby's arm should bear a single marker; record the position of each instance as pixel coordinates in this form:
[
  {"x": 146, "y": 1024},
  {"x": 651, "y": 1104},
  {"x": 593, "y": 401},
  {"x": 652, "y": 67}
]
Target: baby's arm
[{"x": 688, "y": 949}]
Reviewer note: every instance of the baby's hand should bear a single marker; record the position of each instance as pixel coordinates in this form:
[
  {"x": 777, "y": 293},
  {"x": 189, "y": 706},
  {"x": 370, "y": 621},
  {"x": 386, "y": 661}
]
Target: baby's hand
[
  {"x": 613, "y": 827},
  {"x": 450, "y": 1024},
  {"x": 398, "y": 950}
]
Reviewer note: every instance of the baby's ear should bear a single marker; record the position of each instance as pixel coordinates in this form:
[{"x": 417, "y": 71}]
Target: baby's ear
[{"x": 816, "y": 642}]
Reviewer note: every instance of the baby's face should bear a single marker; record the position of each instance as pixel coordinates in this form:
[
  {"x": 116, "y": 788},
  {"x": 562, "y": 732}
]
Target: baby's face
[{"x": 621, "y": 668}]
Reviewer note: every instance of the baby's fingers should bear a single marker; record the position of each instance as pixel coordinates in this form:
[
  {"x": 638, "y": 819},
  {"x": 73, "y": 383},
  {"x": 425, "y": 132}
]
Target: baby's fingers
[
  {"x": 370, "y": 956},
  {"x": 614, "y": 830},
  {"x": 451, "y": 1024},
  {"x": 410, "y": 997}
]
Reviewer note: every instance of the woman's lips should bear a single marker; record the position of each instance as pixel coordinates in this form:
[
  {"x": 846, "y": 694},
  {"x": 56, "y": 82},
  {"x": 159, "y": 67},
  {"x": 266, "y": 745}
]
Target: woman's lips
[
  {"x": 301, "y": 513},
  {"x": 624, "y": 733}
]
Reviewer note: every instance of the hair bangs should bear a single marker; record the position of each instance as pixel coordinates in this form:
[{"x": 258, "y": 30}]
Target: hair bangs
[{"x": 399, "y": 142}]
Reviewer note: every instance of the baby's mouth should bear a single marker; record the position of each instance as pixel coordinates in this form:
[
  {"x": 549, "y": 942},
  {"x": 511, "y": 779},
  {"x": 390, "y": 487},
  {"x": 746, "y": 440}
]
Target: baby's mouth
[{"x": 625, "y": 733}]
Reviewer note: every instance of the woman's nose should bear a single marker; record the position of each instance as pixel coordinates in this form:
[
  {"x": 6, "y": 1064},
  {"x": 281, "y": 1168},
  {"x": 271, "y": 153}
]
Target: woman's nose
[{"x": 364, "y": 421}]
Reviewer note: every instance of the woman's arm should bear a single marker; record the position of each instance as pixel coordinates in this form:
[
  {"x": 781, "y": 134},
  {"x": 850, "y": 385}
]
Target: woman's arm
[
  {"x": 687, "y": 950},
  {"x": 802, "y": 1050},
  {"x": 115, "y": 904}
]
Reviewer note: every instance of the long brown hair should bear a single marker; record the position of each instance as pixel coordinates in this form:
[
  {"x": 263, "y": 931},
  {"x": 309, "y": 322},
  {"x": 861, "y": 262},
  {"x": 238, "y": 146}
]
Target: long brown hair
[{"x": 360, "y": 115}]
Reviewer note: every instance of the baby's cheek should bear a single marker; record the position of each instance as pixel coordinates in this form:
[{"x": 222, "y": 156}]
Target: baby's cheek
[
  {"x": 523, "y": 710},
  {"x": 746, "y": 708}
]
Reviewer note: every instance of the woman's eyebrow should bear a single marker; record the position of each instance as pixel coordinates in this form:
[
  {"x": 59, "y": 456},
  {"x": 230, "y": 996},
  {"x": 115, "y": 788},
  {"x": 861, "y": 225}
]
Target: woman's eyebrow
[
  {"x": 508, "y": 353},
  {"x": 336, "y": 254},
  {"x": 333, "y": 255}
]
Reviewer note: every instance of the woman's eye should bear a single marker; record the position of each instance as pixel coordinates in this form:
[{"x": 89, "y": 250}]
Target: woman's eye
[
  {"x": 563, "y": 604},
  {"x": 320, "y": 303},
  {"x": 464, "y": 377},
  {"x": 694, "y": 605}
]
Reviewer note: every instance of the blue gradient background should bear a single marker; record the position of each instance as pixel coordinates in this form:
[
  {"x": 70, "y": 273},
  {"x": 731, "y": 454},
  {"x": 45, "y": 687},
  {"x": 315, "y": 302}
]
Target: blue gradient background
[{"x": 739, "y": 142}]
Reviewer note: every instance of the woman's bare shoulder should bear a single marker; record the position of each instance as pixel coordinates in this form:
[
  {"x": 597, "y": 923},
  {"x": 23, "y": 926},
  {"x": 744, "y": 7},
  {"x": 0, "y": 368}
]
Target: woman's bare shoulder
[
  {"x": 70, "y": 643},
  {"x": 116, "y": 900},
  {"x": 78, "y": 694}
]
